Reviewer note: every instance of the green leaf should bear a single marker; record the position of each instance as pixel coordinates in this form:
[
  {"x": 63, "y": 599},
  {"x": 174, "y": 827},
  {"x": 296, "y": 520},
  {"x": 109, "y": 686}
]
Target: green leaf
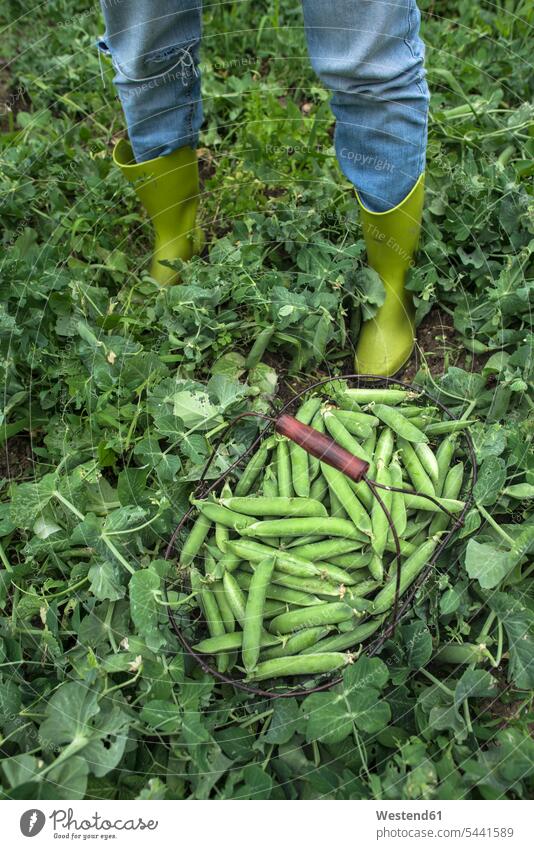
[
  {"x": 143, "y": 589},
  {"x": 257, "y": 784},
  {"x": 518, "y": 621},
  {"x": 284, "y": 721},
  {"x": 327, "y": 718},
  {"x": 486, "y": 564},
  {"x": 162, "y": 716},
  {"x": 69, "y": 715},
  {"x": 28, "y": 500},
  {"x": 418, "y": 644},
  {"x": 106, "y": 581},
  {"x": 366, "y": 672},
  {"x": 491, "y": 478},
  {"x": 474, "y": 683},
  {"x": 370, "y": 290},
  {"x": 195, "y": 409},
  {"x": 369, "y": 710}
]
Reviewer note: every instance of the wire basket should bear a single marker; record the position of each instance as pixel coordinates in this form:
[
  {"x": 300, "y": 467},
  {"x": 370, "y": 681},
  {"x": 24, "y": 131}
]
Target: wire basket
[{"x": 372, "y": 647}]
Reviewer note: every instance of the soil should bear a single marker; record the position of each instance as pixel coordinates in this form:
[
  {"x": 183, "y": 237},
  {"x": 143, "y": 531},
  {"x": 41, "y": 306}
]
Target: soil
[
  {"x": 13, "y": 99},
  {"x": 437, "y": 339},
  {"x": 16, "y": 458}
]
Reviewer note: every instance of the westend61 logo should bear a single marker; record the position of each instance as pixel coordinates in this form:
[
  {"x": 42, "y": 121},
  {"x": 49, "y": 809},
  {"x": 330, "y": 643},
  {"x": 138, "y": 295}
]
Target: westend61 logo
[{"x": 66, "y": 826}]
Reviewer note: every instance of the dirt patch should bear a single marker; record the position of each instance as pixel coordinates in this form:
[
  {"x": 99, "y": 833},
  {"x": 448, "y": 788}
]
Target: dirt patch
[
  {"x": 438, "y": 342},
  {"x": 16, "y": 458},
  {"x": 13, "y": 99}
]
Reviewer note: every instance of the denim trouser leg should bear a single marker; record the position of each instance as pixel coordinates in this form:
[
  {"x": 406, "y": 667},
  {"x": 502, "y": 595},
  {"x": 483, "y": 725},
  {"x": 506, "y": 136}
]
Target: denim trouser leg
[
  {"x": 154, "y": 49},
  {"x": 369, "y": 54}
]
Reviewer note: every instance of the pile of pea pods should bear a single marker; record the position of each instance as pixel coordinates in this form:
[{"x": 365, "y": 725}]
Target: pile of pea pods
[{"x": 294, "y": 567}]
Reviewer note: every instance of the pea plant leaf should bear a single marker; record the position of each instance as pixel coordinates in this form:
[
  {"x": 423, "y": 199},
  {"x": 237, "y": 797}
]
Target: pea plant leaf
[
  {"x": 486, "y": 563},
  {"x": 491, "y": 478},
  {"x": 517, "y": 617},
  {"x": 143, "y": 589}
]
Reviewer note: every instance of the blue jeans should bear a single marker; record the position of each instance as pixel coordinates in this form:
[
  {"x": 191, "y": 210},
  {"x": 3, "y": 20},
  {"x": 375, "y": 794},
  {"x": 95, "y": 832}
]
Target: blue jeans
[{"x": 367, "y": 52}]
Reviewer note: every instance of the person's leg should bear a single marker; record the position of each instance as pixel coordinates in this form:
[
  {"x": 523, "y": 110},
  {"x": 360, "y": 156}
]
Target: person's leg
[
  {"x": 369, "y": 54},
  {"x": 154, "y": 48}
]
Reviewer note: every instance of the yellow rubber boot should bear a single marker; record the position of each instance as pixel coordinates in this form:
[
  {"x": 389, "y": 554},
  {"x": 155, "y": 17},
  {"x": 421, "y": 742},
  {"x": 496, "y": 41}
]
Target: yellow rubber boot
[
  {"x": 387, "y": 340},
  {"x": 168, "y": 188}
]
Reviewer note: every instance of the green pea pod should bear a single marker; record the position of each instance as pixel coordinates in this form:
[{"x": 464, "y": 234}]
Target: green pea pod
[
  {"x": 288, "y": 562},
  {"x": 336, "y": 507},
  {"x": 212, "y": 567},
  {"x": 230, "y": 642},
  {"x": 362, "y": 491},
  {"x": 214, "y": 623},
  {"x": 399, "y": 423},
  {"x": 407, "y": 548},
  {"x": 341, "y": 435},
  {"x": 352, "y": 560},
  {"x": 235, "y": 596},
  {"x": 269, "y": 484},
  {"x": 335, "y": 574},
  {"x": 314, "y": 464},
  {"x": 228, "y": 562},
  {"x": 376, "y": 568},
  {"x": 442, "y": 428},
  {"x": 225, "y": 610},
  {"x": 254, "y": 467},
  {"x": 319, "y": 488},
  {"x": 312, "y": 586},
  {"x": 347, "y": 640},
  {"x": 369, "y": 444},
  {"x": 325, "y": 550},
  {"x": 420, "y": 480},
  {"x": 360, "y": 590},
  {"x": 222, "y": 533},
  {"x": 358, "y": 424},
  {"x": 300, "y": 470},
  {"x": 302, "y": 527},
  {"x": 259, "y": 347},
  {"x": 379, "y": 519},
  {"x": 398, "y": 507},
  {"x": 222, "y": 515},
  {"x": 253, "y": 624},
  {"x": 414, "y": 527},
  {"x": 444, "y": 456},
  {"x": 297, "y": 643},
  {"x": 416, "y": 410},
  {"x": 339, "y": 486},
  {"x": 418, "y": 502},
  {"x": 196, "y": 537},
  {"x": 384, "y": 447},
  {"x": 428, "y": 461},
  {"x": 277, "y": 506},
  {"x": 278, "y": 593},
  {"x": 411, "y": 568},
  {"x": 363, "y": 395},
  {"x": 308, "y": 409},
  {"x": 300, "y": 459},
  {"x": 273, "y": 608},
  {"x": 329, "y": 613},
  {"x": 451, "y": 489},
  {"x": 299, "y": 664},
  {"x": 283, "y": 466}
]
